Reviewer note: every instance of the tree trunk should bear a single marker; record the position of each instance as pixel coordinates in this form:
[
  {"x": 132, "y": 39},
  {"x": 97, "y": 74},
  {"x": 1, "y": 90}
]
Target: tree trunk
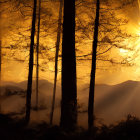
[
  {"x": 29, "y": 85},
  {"x": 69, "y": 86},
  {"x": 56, "y": 59},
  {"x": 37, "y": 54},
  {"x": 93, "y": 70}
]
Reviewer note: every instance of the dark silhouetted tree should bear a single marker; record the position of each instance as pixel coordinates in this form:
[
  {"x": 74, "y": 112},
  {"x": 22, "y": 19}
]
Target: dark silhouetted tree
[
  {"x": 69, "y": 86},
  {"x": 56, "y": 58},
  {"x": 93, "y": 69},
  {"x": 29, "y": 85}
]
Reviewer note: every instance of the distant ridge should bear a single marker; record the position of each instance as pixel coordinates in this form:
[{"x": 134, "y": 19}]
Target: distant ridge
[{"x": 112, "y": 102}]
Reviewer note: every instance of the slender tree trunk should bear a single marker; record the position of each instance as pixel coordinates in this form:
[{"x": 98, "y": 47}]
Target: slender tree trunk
[
  {"x": 56, "y": 59},
  {"x": 37, "y": 54},
  {"x": 93, "y": 70},
  {"x": 69, "y": 86},
  {"x": 29, "y": 85}
]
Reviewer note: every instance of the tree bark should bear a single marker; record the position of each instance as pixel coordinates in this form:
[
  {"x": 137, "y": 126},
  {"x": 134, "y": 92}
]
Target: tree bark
[
  {"x": 29, "y": 85},
  {"x": 69, "y": 86},
  {"x": 56, "y": 59},
  {"x": 93, "y": 70}
]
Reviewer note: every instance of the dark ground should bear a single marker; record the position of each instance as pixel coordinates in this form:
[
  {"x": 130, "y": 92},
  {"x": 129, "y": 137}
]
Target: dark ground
[{"x": 14, "y": 129}]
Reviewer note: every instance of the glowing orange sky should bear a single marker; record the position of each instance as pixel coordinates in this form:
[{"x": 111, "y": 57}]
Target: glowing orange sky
[{"x": 16, "y": 71}]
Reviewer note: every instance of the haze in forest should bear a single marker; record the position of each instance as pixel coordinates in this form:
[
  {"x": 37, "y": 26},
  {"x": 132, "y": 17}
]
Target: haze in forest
[{"x": 108, "y": 100}]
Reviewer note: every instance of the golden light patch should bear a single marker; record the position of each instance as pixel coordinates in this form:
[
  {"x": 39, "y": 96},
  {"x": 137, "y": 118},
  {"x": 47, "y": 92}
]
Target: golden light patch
[{"x": 123, "y": 51}]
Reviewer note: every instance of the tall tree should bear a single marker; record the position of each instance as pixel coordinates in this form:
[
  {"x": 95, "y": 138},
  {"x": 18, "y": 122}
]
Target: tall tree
[
  {"x": 29, "y": 85},
  {"x": 37, "y": 53},
  {"x": 93, "y": 69},
  {"x": 57, "y": 46},
  {"x": 69, "y": 86}
]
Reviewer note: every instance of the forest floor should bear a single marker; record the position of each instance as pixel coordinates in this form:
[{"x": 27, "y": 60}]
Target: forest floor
[{"x": 14, "y": 129}]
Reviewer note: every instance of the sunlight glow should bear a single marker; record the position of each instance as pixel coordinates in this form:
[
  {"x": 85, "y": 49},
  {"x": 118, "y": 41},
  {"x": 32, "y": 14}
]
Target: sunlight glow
[{"x": 123, "y": 51}]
